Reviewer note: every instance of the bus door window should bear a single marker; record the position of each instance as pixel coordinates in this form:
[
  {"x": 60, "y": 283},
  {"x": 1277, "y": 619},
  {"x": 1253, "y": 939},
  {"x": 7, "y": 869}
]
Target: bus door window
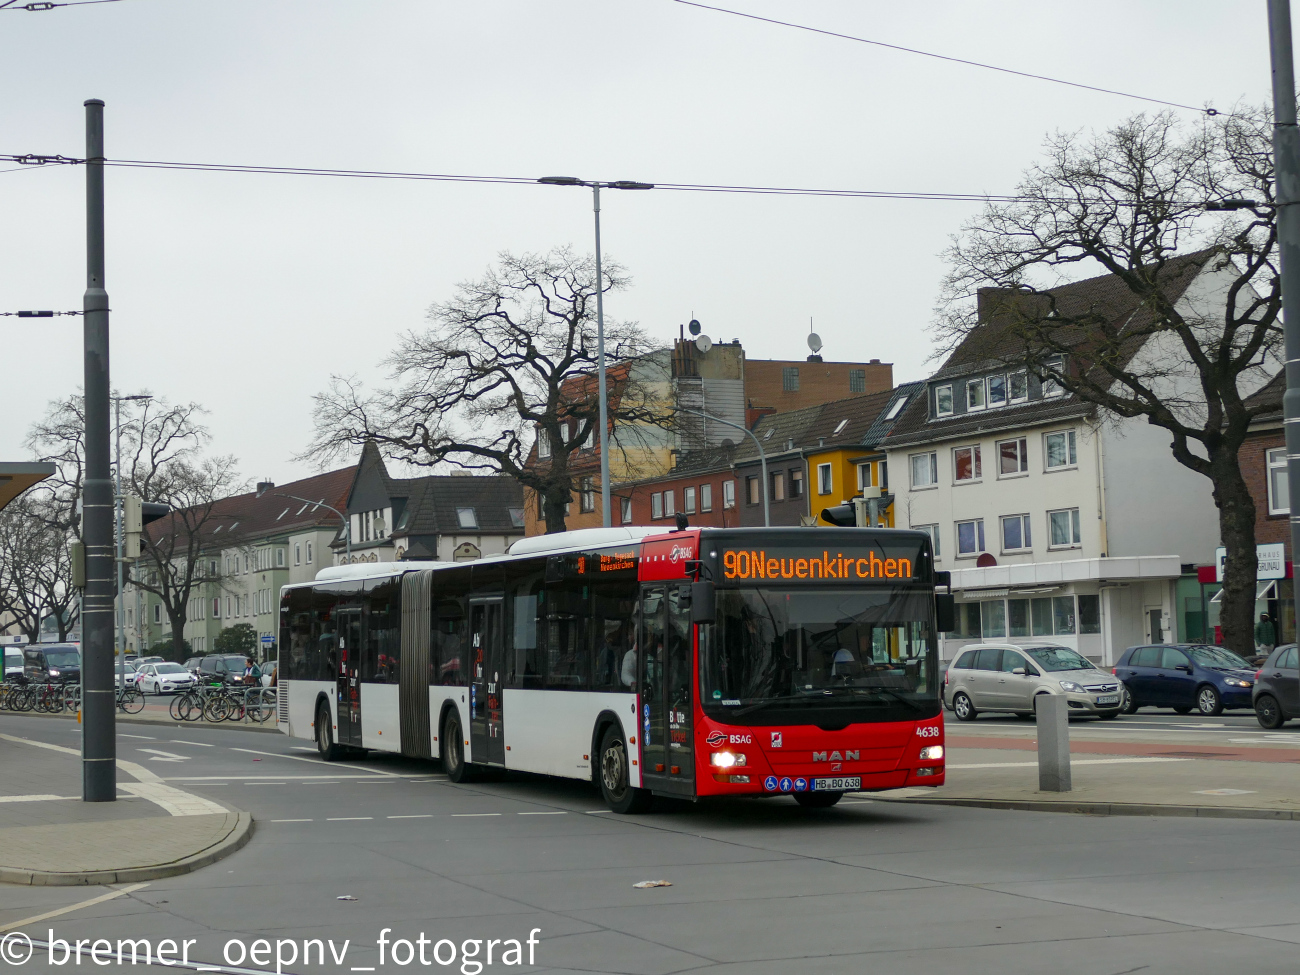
[
  {"x": 647, "y": 681},
  {"x": 349, "y": 687},
  {"x": 487, "y": 659},
  {"x": 678, "y": 675}
]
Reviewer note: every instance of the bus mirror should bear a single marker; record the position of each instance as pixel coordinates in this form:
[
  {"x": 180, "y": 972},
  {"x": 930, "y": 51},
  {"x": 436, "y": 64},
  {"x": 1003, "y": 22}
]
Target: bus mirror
[
  {"x": 702, "y": 609},
  {"x": 945, "y": 611}
]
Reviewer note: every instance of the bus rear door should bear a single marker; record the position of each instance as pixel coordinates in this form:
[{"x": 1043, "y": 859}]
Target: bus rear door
[
  {"x": 349, "y": 683},
  {"x": 487, "y": 664},
  {"x": 665, "y": 681}
]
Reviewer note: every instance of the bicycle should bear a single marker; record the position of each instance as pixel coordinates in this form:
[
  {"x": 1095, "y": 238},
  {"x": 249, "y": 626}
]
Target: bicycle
[
  {"x": 260, "y": 703},
  {"x": 130, "y": 700},
  {"x": 224, "y": 704}
]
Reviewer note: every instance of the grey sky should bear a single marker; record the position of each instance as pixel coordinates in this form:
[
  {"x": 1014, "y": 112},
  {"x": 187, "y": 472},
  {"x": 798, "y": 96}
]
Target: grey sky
[{"x": 245, "y": 292}]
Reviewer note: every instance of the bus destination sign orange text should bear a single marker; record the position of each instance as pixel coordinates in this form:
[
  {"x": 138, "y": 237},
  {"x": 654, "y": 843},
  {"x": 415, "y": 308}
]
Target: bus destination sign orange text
[{"x": 756, "y": 565}]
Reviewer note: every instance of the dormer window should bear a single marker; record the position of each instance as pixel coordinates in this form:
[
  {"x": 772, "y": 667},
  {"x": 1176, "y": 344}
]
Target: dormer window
[
  {"x": 997, "y": 387},
  {"x": 1050, "y": 386},
  {"x": 1018, "y": 387},
  {"x": 839, "y": 427},
  {"x": 543, "y": 445},
  {"x": 943, "y": 401},
  {"x": 975, "y": 395},
  {"x": 770, "y": 431},
  {"x": 896, "y": 409}
]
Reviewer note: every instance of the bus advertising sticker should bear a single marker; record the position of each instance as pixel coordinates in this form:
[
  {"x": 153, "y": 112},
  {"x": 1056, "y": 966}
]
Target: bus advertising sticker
[
  {"x": 787, "y": 784},
  {"x": 769, "y": 783},
  {"x": 800, "y": 785}
]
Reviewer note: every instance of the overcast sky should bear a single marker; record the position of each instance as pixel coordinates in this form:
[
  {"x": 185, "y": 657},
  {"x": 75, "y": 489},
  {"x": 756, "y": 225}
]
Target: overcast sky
[{"x": 245, "y": 292}]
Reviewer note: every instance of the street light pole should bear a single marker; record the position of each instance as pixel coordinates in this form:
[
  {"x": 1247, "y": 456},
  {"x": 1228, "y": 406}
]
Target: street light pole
[
  {"x": 347, "y": 522},
  {"x": 762, "y": 457},
  {"x": 99, "y": 739},
  {"x": 622, "y": 184}
]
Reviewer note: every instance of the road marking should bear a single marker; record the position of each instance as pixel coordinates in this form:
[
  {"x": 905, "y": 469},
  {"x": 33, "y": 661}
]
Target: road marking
[
  {"x": 75, "y": 907},
  {"x": 346, "y": 819},
  {"x": 292, "y": 820},
  {"x": 142, "y": 737},
  {"x": 1224, "y": 792},
  {"x": 559, "y": 813},
  {"x": 314, "y": 761},
  {"x": 42, "y": 744},
  {"x": 34, "y": 798},
  {"x": 467, "y": 815},
  {"x": 166, "y": 756},
  {"x": 596, "y": 812},
  {"x": 201, "y": 744},
  {"x": 263, "y": 783},
  {"x": 305, "y": 779},
  {"x": 302, "y": 748},
  {"x": 1073, "y": 761},
  {"x": 417, "y": 816}
]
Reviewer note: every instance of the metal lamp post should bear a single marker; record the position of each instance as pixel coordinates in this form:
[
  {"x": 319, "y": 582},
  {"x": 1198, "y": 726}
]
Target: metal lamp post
[
  {"x": 117, "y": 514},
  {"x": 621, "y": 184},
  {"x": 762, "y": 457}
]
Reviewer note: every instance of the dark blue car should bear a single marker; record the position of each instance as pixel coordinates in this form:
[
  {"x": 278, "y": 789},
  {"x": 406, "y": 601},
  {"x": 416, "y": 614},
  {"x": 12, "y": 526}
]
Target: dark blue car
[{"x": 1183, "y": 676}]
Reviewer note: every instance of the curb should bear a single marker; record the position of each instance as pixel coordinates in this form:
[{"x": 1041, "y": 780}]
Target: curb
[
  {"x": 268, "y": 728},
  {"x": 1108, "y": 808},
  {"x": 238, "y": 836}
]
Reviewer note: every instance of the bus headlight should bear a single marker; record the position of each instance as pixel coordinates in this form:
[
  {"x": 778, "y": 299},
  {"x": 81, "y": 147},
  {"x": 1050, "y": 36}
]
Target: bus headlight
[
  {"x": 726, "y": 759},
  {"x": 931, "y": 753}
]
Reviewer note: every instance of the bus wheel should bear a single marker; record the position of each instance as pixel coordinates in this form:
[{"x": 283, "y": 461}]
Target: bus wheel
[
  {"x": 619, "y": 795},
  {"x": 325, "y": 735},
  {"x": 453, "y": 750},
  {"x": 817, "y": 800}
]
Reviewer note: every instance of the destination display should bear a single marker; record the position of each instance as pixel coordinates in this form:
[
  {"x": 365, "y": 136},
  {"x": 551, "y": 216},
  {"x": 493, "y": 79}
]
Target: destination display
[{"x": 882, "y": 560}]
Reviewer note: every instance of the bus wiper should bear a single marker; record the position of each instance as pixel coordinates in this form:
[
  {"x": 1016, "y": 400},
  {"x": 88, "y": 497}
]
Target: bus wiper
[
  {"x": 895, "y": 695},
  {"x": 747, "y": 709}
]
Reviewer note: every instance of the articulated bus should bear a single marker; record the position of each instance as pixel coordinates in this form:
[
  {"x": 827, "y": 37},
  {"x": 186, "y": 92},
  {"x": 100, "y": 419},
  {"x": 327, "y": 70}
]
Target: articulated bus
[{"x": 692, "y": 663}]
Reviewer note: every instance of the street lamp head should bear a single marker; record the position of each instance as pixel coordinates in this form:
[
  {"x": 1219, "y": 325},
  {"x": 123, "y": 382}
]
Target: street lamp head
[
  {"x": 630, "y": 184},
  {"x": 561, "y": 180}
]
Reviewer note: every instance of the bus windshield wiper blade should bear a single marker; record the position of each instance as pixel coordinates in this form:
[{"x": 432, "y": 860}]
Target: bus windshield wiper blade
[{"x": 894, "y": 694}]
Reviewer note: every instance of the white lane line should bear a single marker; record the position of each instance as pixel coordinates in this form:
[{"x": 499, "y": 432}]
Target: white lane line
[
  {"x": 264, "y": 783},
  {"x": 305, "y": 779},
  {"x": 596, "y": 812},
  {"x": 1074, "y": 761},
  {"x": 321, "y": 782},
  {"x": 141, "y": 737},
  {"x": 301, "y": 748},
  {"x": 75, "y": 907},
  {"x": 315, "y": 761},
  {"x": 41, "y": 744},
  {"x": 560, "y": 813},
  {"x": 34, "y": 798},
  {"x": 291, "y": 820},
  {"x": 200, "y": 744},
  {"x": 469, "y": 815},
  {"x": 419, "y": 816},
  {"x": 162, "y": 754},
  {"x": 347, "y": 819}
]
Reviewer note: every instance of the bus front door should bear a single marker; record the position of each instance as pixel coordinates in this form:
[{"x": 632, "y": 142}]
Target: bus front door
[
  {"x": 665, "y": 681},
  {"x": 487, "y": 665},
  {"x": 349, "y": 684}
]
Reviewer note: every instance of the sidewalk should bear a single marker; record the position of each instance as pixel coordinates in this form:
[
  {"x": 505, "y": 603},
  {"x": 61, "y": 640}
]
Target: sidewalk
[
  {"x": 1143, "y": 781},
  {"x": 48, "y": 836}
]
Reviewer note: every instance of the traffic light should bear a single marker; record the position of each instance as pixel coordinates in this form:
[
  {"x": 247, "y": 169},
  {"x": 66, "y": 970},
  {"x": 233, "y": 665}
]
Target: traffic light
[
  {"x": 135, "y": 515},
  {"x": 841, "y": 516}
]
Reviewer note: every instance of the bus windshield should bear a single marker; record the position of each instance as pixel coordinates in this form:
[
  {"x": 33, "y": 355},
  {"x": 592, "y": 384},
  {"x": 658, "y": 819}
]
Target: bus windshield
[{"x": 818, "y": 656}]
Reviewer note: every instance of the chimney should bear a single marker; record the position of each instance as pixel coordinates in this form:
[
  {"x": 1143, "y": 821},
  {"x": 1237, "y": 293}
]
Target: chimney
[{"x": 264, "y": 486}]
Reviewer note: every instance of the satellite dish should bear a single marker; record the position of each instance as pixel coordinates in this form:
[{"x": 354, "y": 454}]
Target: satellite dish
[
  {"x": 694, "y": 326},
  {"x": 814, "y": 342},
  {"x": 703, "y": 342}
]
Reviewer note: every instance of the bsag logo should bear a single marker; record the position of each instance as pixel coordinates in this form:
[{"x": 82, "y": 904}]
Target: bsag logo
[
  {"x": 848, "y": 756},
  {"x": 680, "y": 553},
  {"x": 716, "y": 738}
]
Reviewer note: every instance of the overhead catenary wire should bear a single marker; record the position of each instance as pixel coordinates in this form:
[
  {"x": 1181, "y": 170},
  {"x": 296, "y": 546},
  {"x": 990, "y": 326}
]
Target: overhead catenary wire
[
  {"x": 42, "y": 5},
  {"x": 946, "y": 57}
]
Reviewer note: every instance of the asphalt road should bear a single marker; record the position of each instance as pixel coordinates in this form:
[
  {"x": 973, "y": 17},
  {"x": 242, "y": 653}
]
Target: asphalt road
[{"x": 758, "y": 887}]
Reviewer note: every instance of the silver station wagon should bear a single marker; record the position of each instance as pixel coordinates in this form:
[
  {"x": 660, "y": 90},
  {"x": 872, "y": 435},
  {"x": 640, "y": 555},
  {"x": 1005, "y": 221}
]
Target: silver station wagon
[{"x": 1008, "y": 677}]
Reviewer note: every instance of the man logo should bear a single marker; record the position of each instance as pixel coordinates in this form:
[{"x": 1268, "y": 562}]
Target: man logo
[
  {"x": 716, "y": 738},
  {"x": 776, "y": 739},
  {"x": 848, "y": 756}
]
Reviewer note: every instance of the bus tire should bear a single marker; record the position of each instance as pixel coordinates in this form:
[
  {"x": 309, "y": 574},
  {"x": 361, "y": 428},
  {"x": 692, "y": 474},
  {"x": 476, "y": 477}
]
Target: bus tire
[
  {"x": 453, "y": 750},
  {"x": 817, "y": 800},
  {"x": 325, "y": 744},
  {"x": 613, "y": 776}
]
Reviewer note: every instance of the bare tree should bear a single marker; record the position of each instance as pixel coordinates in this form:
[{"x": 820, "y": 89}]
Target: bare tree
[
  {"x": 34, "y": 574},
  {"x": 1131, "y": 202},
  {"x": 507, "y": 362}
]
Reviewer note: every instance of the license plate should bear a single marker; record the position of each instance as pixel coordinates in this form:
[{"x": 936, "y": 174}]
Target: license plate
[
  {"x": 1108, "y": 699},
  {"x": 837, "y": 785}
]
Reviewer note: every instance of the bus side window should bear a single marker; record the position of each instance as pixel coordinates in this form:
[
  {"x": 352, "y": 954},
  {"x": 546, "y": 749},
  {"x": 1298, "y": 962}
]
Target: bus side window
[
  {"x": 448, "y": 638},
  {"x": 526, "y": 666}
]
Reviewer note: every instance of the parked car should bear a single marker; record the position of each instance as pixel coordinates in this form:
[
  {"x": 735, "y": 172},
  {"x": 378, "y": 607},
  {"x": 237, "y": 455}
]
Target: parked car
[
  {"x": 192, "y": 664},
  {"x": 150, "y": 660},
  {"x": 1276, "y": 694},
  {"x": 1184, "y": 676},
  {"x": 52, "y": 661},
  {"x": 13, "y": 662},
  {"x": 1008, "y": 677},
  {"x": 226, "y": 667},
  {"x": 129, "y": 674},
  {"x": 165, "y": 678}
]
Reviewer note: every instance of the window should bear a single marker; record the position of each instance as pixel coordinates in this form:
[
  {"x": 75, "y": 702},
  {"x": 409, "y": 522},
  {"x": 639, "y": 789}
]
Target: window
[
  {"x": 857, "y": 380},
  {"x": 625, "y": 505},
  {"x": 884, "y": 475},
  {"x": 1063, "y": 614},
  {"x": 229, "y": 605},
  {"x": 543, "y": 445},
  {"x": 1013, "y": 457},
  {"x": 778, "y": 486},
  {"x": 1059, "y": 450},
  {"x": 993, "y": 618},
  {"x": 925, "y": 471},
  {"x": 1279, "y": 498},
  {"x": 943, "y": 401},
  {"x": 245, "y": 563},
  {"x": 309, "y": 553},
  {"x": 966, "y": 463},
  {"x": 297, "y": 554},
  {"x": 212, "y": 568},
  {"x": 839, "y": 427},
  {"x": 933, "y": 532},
  {"x": 1050, "y": 386},
  {"x": 1018, "y": 387},
  {"x": 589, "y": 442},
  {"x": 751, "y": 490},
  {"x": 1015, "y": 533},
  {"x": 824, "y": 481},
  {"x": 1089, "y": 614},
  {"x": 516, "y": 517},
  {"x": 466, "y": 517},
  {"x": 688, "y": 500},
  {"x": 796, "y": 483},
  {"x": 706, "y": 497},
  {"x": 1040, "y": 612},
  {"x": 1064, "y": 528},
  {"x": 279, "y": 558},
  {"x": 657, "y": 505},
  {"x": 896, "y": 408},
  {"x": 728, "y": 493},
  {"x": 974, "y": 394},
  {"x": 216, "y": 607},
  {"x": 586, "y": 495},
  {"x": 157, "y": 612},
  {"x": 864, "y": 475},
  {"x": 669, "y": 508},
  {"x": 970, "y": 537},
  {"x": 997, "y": 390},
  {"x": 1017, "y": 617},
  {"x": 790, "y": 379}
]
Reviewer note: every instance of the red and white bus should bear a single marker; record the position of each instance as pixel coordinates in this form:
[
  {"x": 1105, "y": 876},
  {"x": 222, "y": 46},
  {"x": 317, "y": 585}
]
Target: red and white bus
[{"x": 700, "y": 662}]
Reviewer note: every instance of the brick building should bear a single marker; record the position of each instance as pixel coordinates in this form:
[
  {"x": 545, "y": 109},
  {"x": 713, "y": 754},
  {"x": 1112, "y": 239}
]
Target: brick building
[{"x": 793, "y": 384}]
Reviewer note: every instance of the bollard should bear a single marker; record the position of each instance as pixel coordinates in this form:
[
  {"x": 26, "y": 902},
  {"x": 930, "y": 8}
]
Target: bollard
[{"x": 1053, "y": 713}]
